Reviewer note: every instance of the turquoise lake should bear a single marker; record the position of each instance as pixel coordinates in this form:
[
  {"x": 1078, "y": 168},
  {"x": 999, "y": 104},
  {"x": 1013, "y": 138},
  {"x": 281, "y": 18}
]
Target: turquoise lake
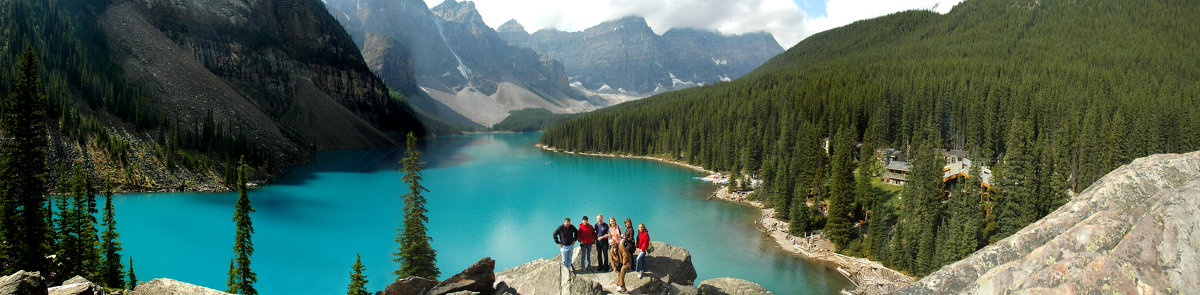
[{"x": 494, "y": 195}]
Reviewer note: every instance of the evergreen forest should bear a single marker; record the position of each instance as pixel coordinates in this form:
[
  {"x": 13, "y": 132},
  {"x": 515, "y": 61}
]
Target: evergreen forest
[{"x": 1051, "y": 95}]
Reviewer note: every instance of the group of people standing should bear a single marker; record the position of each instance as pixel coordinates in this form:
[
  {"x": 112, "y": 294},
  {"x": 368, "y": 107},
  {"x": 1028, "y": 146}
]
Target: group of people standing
[{"x": 615, "y": 248}]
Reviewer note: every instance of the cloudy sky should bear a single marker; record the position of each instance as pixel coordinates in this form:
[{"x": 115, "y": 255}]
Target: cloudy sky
[{"x": 788, "y": 20}]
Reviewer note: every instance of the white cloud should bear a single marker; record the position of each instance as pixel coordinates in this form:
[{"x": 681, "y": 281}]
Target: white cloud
[{"x": 782, "y": 18}]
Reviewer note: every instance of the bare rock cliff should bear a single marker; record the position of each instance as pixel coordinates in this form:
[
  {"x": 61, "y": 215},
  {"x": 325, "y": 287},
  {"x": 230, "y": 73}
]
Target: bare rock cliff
[{"x": 1135, "y": 231}]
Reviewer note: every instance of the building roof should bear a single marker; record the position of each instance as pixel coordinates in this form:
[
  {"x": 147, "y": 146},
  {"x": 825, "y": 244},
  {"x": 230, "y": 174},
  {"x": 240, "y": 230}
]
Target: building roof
[
  {"x": 899, "y": 165},
  {"x": 963, "y": 167}
]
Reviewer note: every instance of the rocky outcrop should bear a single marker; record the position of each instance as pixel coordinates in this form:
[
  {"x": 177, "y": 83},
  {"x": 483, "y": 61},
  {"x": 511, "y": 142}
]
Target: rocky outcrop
[
  {"x": 448, "y": 54},
  {"x": 1134, "y": 231},
  {"x": 27, "y": 283},
  {"x": 162, "y": 286},
  {"x": 408, "y": 286},
  {"x": 668, "y": 265},
  {"x": 731, "y": 286},
  {"x": 476, "y": 279},
  {"x": 22, "y": 283},
  {"x": 626, "y": 56},
  {"x": 76, "y": 286}
]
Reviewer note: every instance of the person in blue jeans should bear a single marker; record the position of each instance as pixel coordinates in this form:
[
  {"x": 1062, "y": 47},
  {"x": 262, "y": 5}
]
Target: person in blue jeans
[
  {"x": 586, "y": 237},
  {"x": 601, "y": 244},
  {"x": 643, "y": 244},
  {"x": 565, "y": 237}
]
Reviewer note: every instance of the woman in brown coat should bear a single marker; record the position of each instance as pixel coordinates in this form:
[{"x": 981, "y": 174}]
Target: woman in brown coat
[{"x": 618, "y": 255}]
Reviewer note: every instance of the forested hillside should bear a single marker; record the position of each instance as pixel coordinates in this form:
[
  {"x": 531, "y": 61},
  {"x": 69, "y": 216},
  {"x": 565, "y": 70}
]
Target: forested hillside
[
  {"x": 1050, "y": 94},
  {"x": 158, "y": 108}
]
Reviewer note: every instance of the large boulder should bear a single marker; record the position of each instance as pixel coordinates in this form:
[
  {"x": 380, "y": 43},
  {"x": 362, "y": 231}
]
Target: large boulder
[
  {"x": 535, "y": 277},
  {"x": 478, "y": 277},
  {"x": 77, "y": 286},
  {"x": 731, "y": 286},
  {"x": 673, "y": 264},
  {"x": 667, "y": 265},
  {"x": 23, "y": 283},
  {"x": 409, "y": 286},
  {"x": 163, "y": 286},
  {"x": 677, "y": 289},
  {"x": 1132, "y": 232}
]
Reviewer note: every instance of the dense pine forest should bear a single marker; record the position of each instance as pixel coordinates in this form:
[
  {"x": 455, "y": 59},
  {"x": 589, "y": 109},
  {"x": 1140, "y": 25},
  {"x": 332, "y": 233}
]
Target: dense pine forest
[
  {"x": 1049, "y": 94},
  {"x": 87, "y": 98}
]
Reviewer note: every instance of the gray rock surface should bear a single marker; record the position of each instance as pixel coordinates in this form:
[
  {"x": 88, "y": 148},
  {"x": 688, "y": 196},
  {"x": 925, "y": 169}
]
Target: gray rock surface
[
  {"x": 408, "y": 286},
  {"x": 163, "y": 286},
  {"x": 1132, "y": 232},
  {"x": 478, "y": 277},
  {"x": 731, "y": 286},
  {"x": 22, "y": 283},
  {"x": 677, "y": 289},
  {"x": 76, "y": 286},
  {"x": 667, "y": 265}
]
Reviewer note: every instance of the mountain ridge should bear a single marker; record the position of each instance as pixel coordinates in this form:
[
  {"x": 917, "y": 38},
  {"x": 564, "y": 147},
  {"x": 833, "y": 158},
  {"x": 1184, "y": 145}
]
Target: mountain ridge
[{"x": 626, "y": 56}]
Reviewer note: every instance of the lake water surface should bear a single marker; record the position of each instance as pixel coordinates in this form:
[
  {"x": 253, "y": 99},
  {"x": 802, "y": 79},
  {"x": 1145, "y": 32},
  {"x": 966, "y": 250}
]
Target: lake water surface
[{"x": 492, "y": 195}]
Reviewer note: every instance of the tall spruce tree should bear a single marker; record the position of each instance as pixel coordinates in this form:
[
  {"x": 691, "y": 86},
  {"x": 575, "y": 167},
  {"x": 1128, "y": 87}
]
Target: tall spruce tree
[
  {"x": 840, "y": 226},
  {"x": 800, "y": 223},
  {"x": 23, "y": 171},
  {"x": 358, "y": 281},
  {"x": 132, "y": 277},
  {"x": 1015, "y": 181},
  {"x": 416, "y": 256},
  {"x": 111, "y": 273},
  {"x": 88, "y": 234},
  {"x": 242, "y": 279},
  {"x": 960, "y": 235}
]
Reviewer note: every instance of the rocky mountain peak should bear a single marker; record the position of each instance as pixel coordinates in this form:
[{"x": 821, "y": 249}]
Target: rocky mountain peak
[
  {"x": 452, "y": 10},
  {"x": 629, "y": 25},
  {"x": 511, "y": 26}
]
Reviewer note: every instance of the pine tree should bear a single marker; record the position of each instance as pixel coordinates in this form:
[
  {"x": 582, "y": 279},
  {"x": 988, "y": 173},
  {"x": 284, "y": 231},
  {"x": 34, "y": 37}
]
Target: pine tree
[
  {"x": 783, "y": 191},
  {"x": 840, "y": 226},
  {"x": 1015, "y": 181},
  {"x": 88, "y": 235},
  {"x": 242, "y": 279},
  {"x": 132, "y": 277},
  {"x": 961, "y": 234},
  {"x": 800, "y": 223},
  {"x": 358, "y": 281},
  {"x": 111, "y": 274},
  {"x": 23, "y": 171},
  {"x": 416, "y": 256}
]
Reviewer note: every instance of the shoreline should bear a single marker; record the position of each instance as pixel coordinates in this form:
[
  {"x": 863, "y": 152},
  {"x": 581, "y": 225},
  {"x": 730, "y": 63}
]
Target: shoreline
[
  {"x": 867, "y": 276},
  {"x": 672, "y": 162}
]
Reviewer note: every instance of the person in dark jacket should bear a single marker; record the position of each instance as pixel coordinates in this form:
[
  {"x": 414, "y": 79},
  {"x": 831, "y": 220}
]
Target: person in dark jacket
[
  {"x": 629, "y": 236},
  {"x": 565, "y": 237},
  {"x": 601, "y": 244},
  {"x": 587, "y": 236}
]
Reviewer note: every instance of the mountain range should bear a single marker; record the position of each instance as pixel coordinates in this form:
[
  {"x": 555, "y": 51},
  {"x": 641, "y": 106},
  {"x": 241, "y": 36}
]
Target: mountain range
[
  {"x": 626, "y": 56},
  {"x": 450, "y": 64}
]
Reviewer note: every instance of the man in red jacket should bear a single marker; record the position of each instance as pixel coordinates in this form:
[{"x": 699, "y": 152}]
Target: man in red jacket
[{"x": 587, "y": 237}]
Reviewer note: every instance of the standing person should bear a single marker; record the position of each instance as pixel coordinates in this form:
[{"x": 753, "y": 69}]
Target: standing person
[
  {"x": 643, "y": 243},
  {"x": 628, "y": 237},
  {"x": 587, "y": 236},
  {"x": 564, "y": 236},
  {"x": 601, "y": 244},
  {"x": 620, "y": 258}
]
